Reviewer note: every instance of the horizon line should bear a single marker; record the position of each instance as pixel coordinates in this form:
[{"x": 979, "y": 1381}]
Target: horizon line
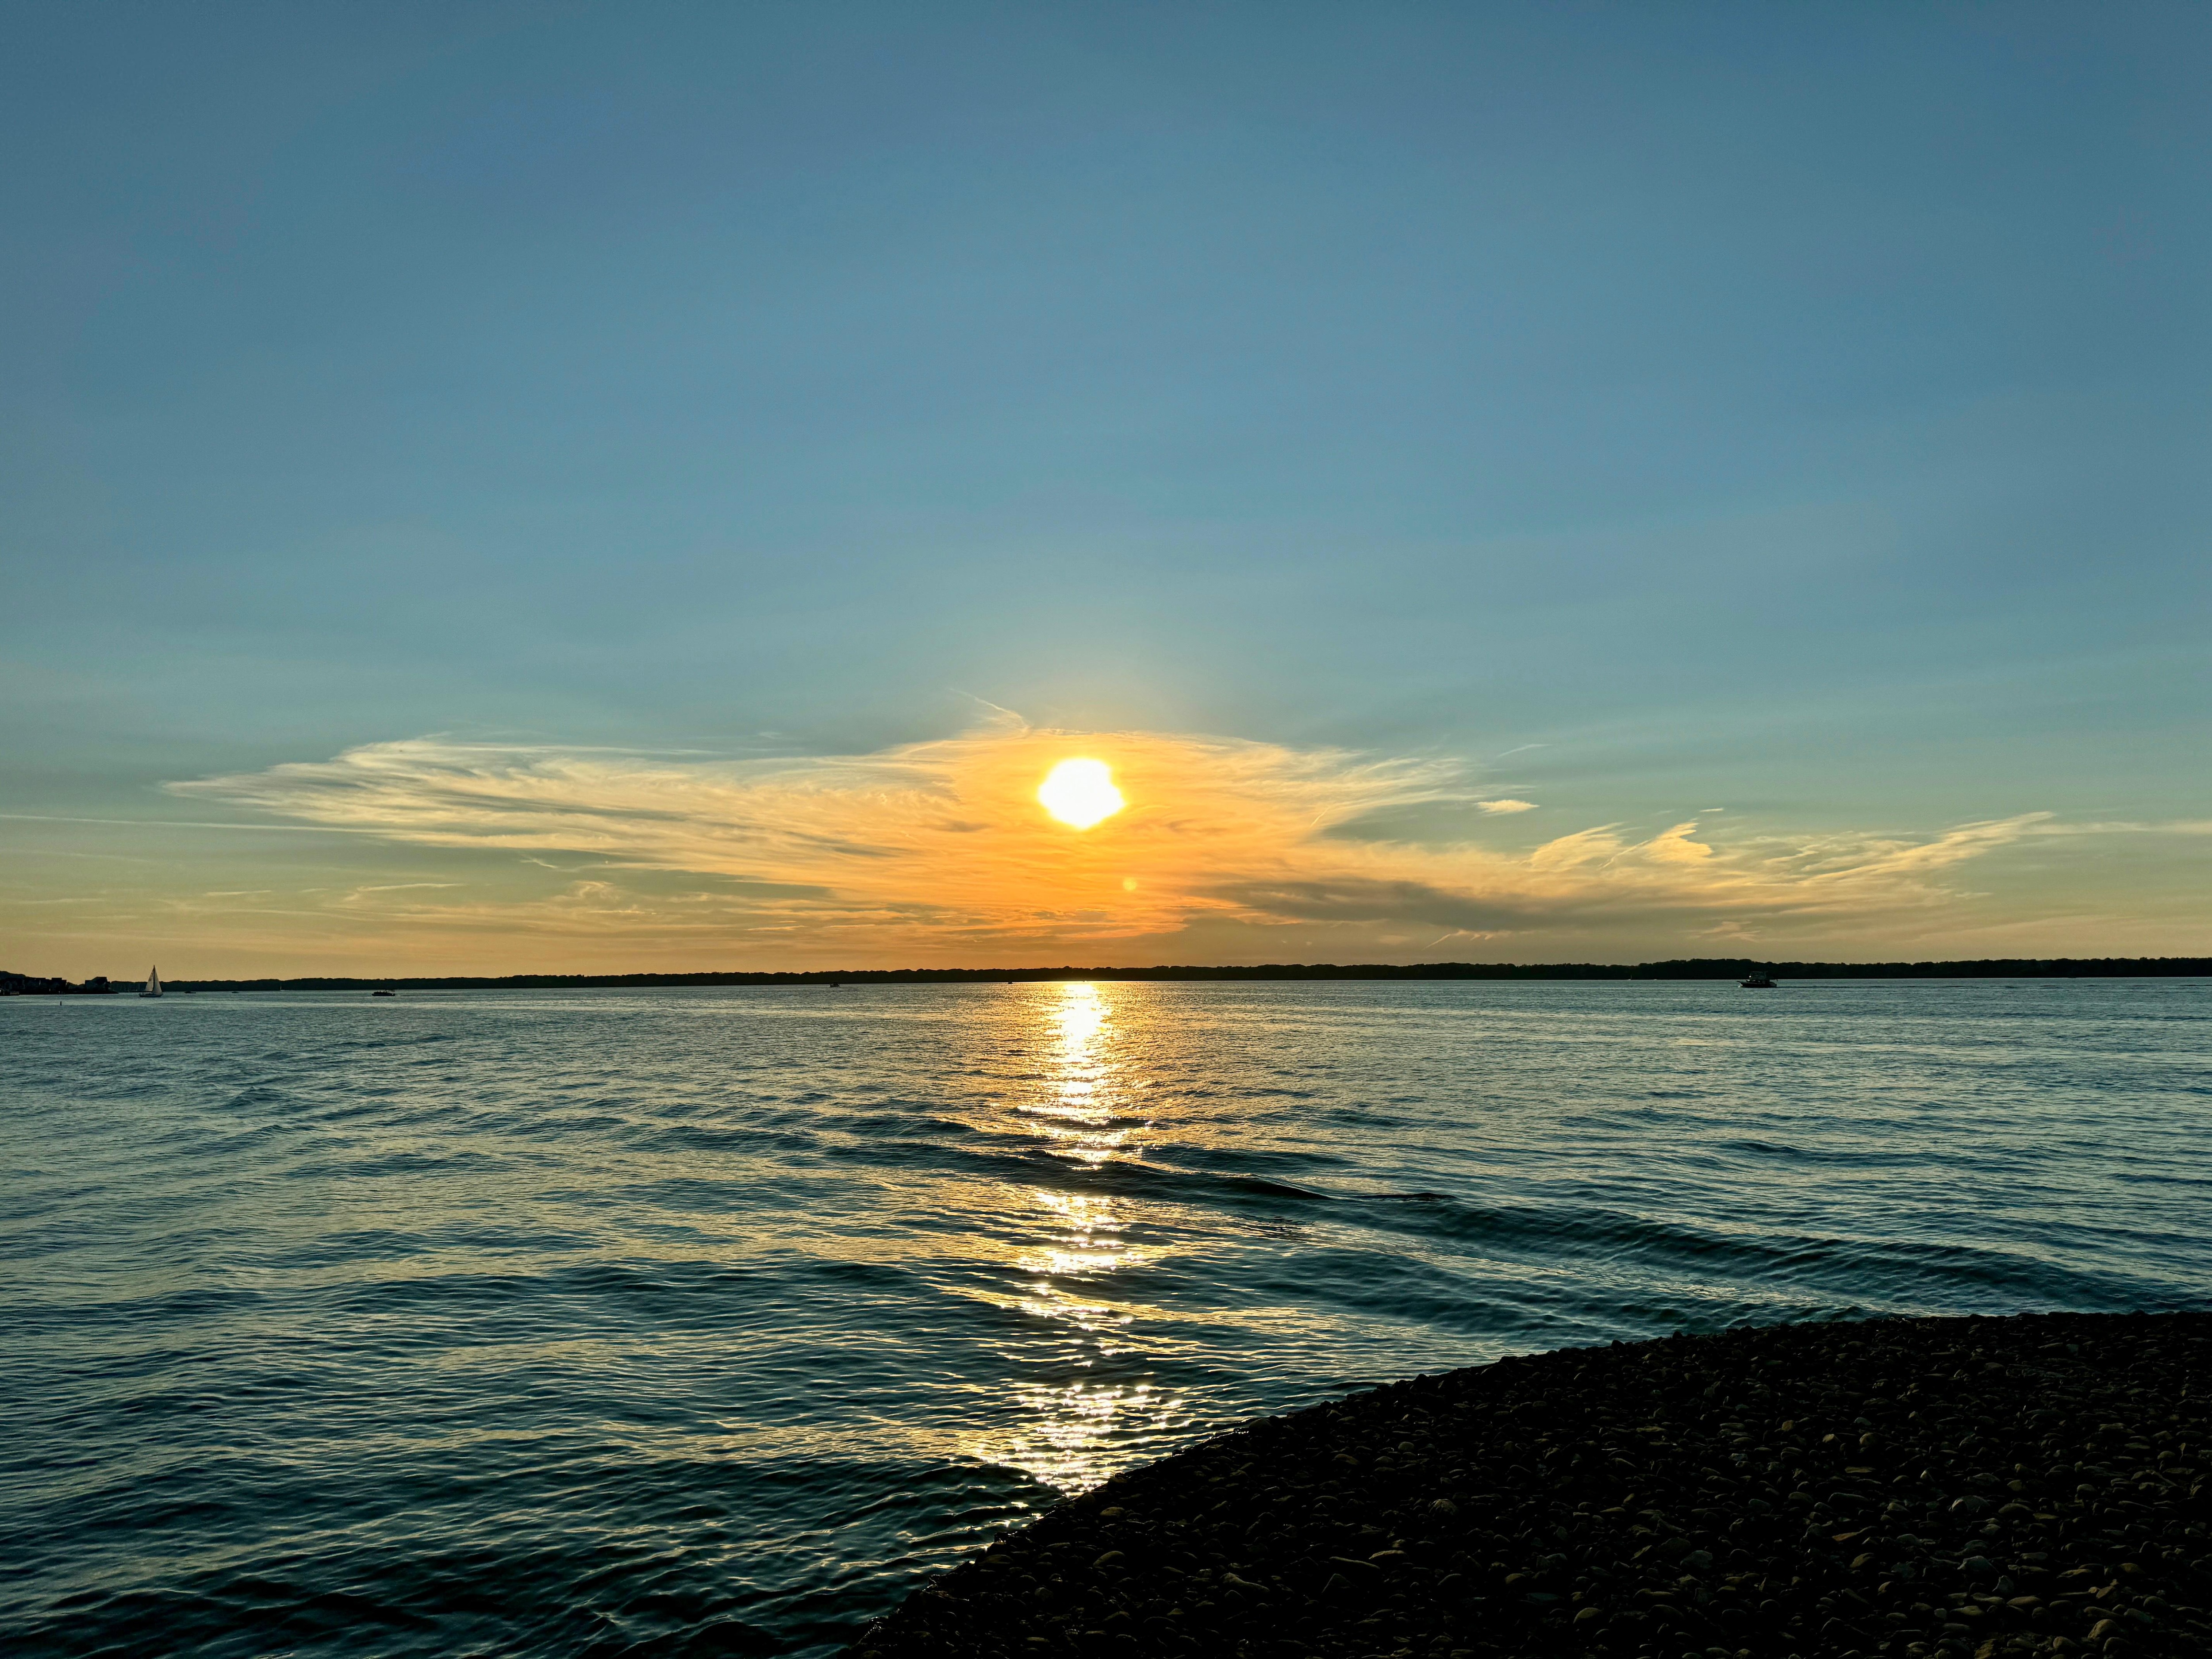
[{"x": 1672, "y": 968}]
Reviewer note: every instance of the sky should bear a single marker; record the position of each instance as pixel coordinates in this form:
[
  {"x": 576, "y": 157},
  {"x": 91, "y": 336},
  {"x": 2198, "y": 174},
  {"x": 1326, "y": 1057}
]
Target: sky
[{"x": 502, "y": 488}]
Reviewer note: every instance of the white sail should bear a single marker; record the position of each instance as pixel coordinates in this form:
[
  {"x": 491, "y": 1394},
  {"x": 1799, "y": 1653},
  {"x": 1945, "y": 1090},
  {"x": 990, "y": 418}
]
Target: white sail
[{"x": 153, "y": 983}]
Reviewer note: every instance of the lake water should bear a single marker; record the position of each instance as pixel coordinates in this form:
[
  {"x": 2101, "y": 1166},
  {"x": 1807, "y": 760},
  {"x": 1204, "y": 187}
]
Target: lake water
[{"x": 710, "y": 1321}]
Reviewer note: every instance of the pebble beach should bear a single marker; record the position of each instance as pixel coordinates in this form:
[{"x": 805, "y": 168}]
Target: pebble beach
[{"x": 1899, "y": 1487}]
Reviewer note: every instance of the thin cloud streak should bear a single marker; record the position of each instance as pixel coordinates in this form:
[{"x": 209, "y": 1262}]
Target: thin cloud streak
[
  {"x": 180, "y": 824},
  {"x": 938, "y": 850}
]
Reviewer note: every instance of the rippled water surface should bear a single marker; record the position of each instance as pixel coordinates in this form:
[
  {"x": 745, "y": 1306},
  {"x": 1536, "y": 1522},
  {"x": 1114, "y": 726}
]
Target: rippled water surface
[{"x": 708, "y": 1321}]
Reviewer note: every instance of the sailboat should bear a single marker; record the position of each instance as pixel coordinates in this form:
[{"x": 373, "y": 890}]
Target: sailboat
[{"x": 153, "y": 983}]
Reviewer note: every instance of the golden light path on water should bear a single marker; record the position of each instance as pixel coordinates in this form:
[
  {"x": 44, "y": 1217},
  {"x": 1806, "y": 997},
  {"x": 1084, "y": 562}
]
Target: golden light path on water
[
  {"x": 1067, "y": 1431},
  {"x": 723, "y": 1317}
]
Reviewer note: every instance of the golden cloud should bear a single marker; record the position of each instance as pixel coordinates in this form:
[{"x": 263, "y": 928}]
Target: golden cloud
[{"x": 942, "y": 846}]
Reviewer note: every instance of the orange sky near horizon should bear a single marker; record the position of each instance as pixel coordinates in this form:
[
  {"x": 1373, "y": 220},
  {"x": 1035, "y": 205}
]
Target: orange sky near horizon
[{"x": 432, "y": 855}]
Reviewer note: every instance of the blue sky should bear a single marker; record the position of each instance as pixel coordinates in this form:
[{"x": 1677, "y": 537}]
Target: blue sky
[{"x": 1635, "y": 411}]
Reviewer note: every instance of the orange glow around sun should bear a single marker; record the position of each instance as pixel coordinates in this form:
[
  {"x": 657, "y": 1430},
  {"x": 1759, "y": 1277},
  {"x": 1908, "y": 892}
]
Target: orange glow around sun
[{"x": 1080, "y": 792}]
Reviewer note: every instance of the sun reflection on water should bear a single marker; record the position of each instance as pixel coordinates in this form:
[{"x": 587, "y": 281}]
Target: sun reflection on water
[{"x": 1094, "y": 1396}]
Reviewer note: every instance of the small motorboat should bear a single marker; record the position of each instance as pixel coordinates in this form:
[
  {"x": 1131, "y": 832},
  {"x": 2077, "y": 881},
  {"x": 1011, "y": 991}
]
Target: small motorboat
[
  {"x": 384, "y": 993},
  {"x": 1758, "y": 980}
]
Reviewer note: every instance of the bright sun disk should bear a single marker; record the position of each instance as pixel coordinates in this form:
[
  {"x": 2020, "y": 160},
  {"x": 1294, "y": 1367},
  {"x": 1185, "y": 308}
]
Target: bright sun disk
[{"x": 1080, "y": 792}]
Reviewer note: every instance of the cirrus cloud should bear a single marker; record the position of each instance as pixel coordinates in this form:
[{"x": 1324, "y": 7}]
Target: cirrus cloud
[{"x": 938, "y": 850}]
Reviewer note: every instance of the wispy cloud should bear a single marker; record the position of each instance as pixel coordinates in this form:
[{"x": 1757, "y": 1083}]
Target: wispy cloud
[{"x": 939, "y": 847}]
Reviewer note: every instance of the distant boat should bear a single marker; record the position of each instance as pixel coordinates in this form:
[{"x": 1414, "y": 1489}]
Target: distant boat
[
  {"x": 153, "y": 983},
  {"x": 384, "y": 993},
  {"x": 1758, "y": 980}
]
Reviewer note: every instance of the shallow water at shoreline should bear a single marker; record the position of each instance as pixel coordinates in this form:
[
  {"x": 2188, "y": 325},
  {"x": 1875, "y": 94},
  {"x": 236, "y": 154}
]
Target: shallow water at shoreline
[{"x": 678, "y": 1322}]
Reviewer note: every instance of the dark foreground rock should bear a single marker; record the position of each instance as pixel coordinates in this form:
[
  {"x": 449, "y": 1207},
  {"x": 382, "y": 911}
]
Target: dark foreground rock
[{"x": 1964, "y": 1487}]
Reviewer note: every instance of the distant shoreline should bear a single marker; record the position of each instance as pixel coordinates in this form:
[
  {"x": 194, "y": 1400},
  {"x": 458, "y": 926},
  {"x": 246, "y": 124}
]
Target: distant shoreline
[{"x": 1705, "y": 968}]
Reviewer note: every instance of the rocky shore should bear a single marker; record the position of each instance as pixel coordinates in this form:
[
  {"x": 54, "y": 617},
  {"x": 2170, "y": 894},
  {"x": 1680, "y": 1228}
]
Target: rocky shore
[{"x": 1961, "y": 1486}]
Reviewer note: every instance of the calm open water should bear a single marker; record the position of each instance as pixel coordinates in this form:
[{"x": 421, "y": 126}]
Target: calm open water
[{"x": 708, "y": 1321}]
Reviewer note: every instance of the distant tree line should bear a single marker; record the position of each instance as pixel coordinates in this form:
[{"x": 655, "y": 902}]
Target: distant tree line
[
  {"x": 29, "y": 985},
  {"x": 1989, "y": 968},
  {"x": 1689, "y": 968}
]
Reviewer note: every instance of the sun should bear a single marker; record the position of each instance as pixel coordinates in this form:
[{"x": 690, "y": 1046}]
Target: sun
[{"x": 1080, "y": 792}]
